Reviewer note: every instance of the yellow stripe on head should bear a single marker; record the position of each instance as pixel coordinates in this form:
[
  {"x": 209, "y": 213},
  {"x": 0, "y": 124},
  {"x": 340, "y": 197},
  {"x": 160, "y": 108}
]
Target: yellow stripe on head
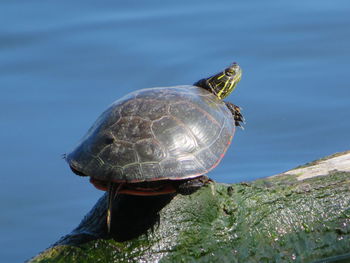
[{"x": 223, "y": 83}]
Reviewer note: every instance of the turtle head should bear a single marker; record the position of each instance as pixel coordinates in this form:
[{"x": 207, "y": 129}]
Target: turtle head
[{"x": 222, "y": 83}]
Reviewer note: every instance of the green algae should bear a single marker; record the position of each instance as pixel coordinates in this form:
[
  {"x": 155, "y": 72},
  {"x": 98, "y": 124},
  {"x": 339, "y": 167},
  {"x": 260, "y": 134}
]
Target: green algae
[{"x": 277, "y": 219}]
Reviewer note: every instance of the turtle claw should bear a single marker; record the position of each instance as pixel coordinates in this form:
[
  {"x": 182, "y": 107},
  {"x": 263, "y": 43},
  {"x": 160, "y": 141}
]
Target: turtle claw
[
  {"x": 241, "y": 122},
  {"x": 241, "y": 126},
  {"x": 237, "y": 115}
]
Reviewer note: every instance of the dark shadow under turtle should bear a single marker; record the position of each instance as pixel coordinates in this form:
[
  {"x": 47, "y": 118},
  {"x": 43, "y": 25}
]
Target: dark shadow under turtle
[{"x": 133, "y": 216}]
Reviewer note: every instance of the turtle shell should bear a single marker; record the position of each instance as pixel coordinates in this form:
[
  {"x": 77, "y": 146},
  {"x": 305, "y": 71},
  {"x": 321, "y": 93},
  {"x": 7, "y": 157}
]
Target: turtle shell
[{"x": 166, "y": 133}]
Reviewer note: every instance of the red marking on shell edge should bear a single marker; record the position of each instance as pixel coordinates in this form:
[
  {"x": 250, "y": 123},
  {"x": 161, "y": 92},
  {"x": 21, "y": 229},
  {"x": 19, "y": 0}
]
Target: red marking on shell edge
[
  {"x": 146, "y": 193},
  {"x": 221, "y": 156},
  {"x": 152, "y": 179},
  {"x": 167, "y": 189}
]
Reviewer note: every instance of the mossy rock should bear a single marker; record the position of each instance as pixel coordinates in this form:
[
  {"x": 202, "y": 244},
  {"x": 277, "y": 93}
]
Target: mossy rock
[{"x": 276, "y": 219}]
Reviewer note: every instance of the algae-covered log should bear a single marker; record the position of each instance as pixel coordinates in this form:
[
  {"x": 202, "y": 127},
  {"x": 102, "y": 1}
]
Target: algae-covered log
[{"x": 302, "y": 215}]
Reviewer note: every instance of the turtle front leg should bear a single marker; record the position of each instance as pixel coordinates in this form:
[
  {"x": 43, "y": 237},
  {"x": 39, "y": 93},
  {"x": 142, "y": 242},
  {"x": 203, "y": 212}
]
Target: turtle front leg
[{"x": 236, "y": 112}]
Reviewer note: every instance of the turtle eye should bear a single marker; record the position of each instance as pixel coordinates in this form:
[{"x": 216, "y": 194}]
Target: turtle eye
[{"x": 229, "y": 72}]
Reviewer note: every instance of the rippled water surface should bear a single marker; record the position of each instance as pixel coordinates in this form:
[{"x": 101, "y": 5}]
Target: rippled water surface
[{"x": 62, "y": 63}]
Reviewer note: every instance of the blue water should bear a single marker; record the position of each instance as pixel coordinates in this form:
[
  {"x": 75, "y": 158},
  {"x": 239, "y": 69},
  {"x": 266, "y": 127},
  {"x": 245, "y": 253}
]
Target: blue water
[{"x": 62, "y": 63}]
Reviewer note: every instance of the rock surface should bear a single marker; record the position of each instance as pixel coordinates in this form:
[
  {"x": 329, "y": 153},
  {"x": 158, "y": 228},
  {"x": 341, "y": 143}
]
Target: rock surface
[
  {"x": 336, "y": 162},
  {"x": 302, "y": 215}
]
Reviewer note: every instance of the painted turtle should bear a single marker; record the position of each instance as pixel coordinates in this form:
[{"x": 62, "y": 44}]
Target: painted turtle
[{"x": 153, "y": 141}]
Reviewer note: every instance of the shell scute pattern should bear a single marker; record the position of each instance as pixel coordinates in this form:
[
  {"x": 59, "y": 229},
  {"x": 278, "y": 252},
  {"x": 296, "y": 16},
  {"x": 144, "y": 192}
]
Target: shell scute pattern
[
  {"x": 141, "y": 108},
  {"x": 157, "y": 133},
  {"x": 151, "y": 170},
  {"x": 206, "y": 155},
  {"x": 171, "y": 166},
  {"x": 119, "y": 153},
  {"x": 133, "y": 173},
  {"x": 168, "y": 94},
  {"x": 221, "y": 142},
  {"x": 199, "y": 123},
  {"x": 150, "y": 150},
  {"x": 174, "y": 136},
  {"x": 131, "y": 129},
  {"x": 99, "y": 141},
  {"x": 191, "y": 165}
]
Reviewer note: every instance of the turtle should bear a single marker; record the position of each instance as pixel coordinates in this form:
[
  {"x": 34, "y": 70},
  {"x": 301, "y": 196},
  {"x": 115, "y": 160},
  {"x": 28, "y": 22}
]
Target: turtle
[{"x": 160, "y": 140}]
